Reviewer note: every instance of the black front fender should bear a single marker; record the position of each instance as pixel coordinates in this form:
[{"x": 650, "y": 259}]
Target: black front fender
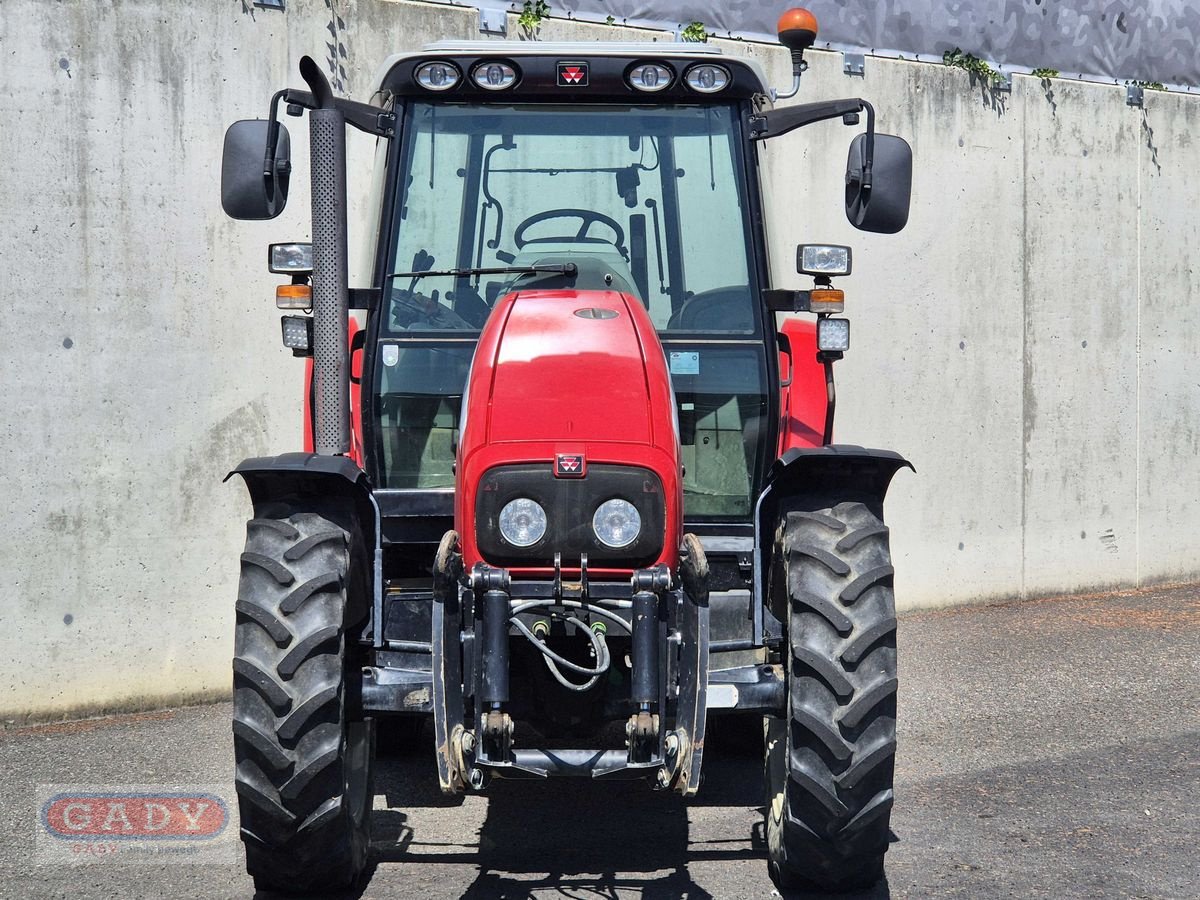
[
  {"x": 338, "y": 489},
  {"x": 301, "y": 475},
  {"x": 815, "y": 478}
]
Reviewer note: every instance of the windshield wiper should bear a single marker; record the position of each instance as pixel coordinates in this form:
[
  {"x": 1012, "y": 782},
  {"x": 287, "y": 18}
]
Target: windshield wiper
[{"x": 568, "y": 269}]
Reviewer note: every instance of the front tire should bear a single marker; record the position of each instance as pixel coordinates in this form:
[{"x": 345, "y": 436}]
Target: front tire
[
  {"x": 829, "y": 765},
  {"x": 304, "y": 767}
]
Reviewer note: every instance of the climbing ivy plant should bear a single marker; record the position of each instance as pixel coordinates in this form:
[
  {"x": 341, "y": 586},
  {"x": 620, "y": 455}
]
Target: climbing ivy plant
[
  {"x": 969, "y": 62},
  {"x": 532, "y": 14}
]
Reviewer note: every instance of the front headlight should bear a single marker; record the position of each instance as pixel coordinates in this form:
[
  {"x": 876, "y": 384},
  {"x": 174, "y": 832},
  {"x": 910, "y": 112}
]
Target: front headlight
[
  {"x": 616, "y": 523},
  {"x": 522, "y": 522}
]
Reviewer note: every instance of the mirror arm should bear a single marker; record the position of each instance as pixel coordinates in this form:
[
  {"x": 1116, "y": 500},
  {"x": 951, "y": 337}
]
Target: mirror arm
[
  {"x": 869, "y": 161},
  {"x": 775, "y": 122},
  {"x": 272, "y": 144},
  {"x": 363, "y": 116}
]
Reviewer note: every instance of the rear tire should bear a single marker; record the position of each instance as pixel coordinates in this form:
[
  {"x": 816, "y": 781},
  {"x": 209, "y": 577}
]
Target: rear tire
[
  {"x": 304, "y": 767},
  {"x": 829, "y": 766}
]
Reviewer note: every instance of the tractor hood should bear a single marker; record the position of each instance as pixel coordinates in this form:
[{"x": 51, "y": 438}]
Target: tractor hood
[
  {"x": 571, "y": 366},
  {"x": 572, "y": 384}
]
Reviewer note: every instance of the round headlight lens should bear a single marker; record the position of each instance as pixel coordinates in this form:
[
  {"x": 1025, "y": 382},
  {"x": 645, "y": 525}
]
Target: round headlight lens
[
  {"x": 522, "y": 522},
  {"x": 650, "y": 77},
  {"x": 495, "y": 76},
  {"x": 437, "y": 76},
  {"x": 616, "y": 523},
  {"x": 707, "y": 79}
]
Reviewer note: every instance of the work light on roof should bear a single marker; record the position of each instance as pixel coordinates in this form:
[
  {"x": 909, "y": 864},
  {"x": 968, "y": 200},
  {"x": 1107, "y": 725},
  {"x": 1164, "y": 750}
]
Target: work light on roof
[
  {"x": 438, "y": 76},
  {"x": 494, "y": 76},
  {"x": 707, "y": 78},
  {"x": 650, "y": 77}
]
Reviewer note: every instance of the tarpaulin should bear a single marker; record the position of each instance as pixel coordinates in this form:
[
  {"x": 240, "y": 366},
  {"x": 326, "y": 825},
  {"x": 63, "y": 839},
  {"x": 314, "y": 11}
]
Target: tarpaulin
[{"x": 1107, "y": 40}]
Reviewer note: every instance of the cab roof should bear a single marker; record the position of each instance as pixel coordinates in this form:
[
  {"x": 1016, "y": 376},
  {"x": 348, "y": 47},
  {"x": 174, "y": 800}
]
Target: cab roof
[{"x": 534, "y": 59}]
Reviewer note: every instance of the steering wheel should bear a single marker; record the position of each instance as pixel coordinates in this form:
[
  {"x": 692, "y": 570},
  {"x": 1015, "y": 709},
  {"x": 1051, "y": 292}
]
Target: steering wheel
[{"x": 587, "y": 218}]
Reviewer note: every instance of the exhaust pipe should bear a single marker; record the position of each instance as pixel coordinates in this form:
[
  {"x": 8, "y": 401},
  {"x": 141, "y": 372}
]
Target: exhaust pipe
[{"x": 331, "y": 292}]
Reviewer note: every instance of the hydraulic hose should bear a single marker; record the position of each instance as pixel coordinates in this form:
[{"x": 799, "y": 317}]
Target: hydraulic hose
[{"x": 554, "y": 660}]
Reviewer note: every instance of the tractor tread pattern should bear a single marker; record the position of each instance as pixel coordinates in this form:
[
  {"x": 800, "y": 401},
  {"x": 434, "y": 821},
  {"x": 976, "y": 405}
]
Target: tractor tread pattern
[
  {"x": 826, "y": 608},
  {"x": 297, "y": 598},
  {"x": 298, "y": 550},
  {"x": 298, "y": 720},
  {"x": 854, "y": 538},
  {"x": 831, "y": 831},
  {"x": 865, "y": 762},
  {"x": 865, "y": 639},
  {"x": 265, "y": 800},
  {"x": 831, "y": 522},
  {"x": 267, "y": 620},
  {"x": 278, "y": 525},
  {"x": 293, "y": 787},
  {"x": 827, "y": 668},
  {"x": 865, "y": 701},
  {"x": 278, "y": 571},
  {"x": 831, "y": 561},
  {"x": 279, "y": 699},
  {"x": 274, "y": 755},
  {"x": 297, "y": 655},
  {"x": 288, "y": 727},
  {"x": 864, "y": 582}
]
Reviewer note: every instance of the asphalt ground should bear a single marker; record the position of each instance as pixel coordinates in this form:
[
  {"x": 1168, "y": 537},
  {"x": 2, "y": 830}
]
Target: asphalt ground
[{"x": 1047, "y": 749}]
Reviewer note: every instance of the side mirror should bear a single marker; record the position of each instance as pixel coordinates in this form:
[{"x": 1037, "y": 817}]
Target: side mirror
[
  {"x": 877, "y": 197},
  {"x": 254, "y": 175}
]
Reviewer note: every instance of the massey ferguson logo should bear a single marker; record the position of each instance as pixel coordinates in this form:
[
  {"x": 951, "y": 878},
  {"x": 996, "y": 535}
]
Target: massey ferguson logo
[
  {"x": 572, "y": 74},
  {"x": 569, "y": 465}
]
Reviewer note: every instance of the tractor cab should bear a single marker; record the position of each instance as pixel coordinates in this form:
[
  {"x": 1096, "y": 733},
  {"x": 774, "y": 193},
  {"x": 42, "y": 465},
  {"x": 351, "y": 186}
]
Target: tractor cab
[{"x": 629, "y": 162}]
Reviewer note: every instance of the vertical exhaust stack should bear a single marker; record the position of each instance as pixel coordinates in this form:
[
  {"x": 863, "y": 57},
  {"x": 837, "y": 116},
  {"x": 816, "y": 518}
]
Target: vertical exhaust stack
[{"x": 331, "y": 354}]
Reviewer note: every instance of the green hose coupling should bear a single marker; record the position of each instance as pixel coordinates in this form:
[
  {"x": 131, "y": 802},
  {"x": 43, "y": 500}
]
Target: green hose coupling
[
  {"x": 599, "y": 628},
  {"x": 541, "y": 628}
]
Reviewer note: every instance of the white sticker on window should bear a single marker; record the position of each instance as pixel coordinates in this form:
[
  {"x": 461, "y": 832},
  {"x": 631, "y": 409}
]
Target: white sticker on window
[
  {"x": 391, "y": 355},
  {"x": 685, "y": 362}
]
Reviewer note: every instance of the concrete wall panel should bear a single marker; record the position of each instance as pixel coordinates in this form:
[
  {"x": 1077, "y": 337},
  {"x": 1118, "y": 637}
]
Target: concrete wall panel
[
  {"x": 1080, "y": 404},
  {"x": 1168, "y": 253}
]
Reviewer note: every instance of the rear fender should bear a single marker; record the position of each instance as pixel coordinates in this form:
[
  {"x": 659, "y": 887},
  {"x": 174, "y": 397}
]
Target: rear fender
[
  {"x": 803, "y": 394},
  {"x": 357, "y": 335},
  {"x": 812, "y": 478},
  {"x": 336, "y": 488}
]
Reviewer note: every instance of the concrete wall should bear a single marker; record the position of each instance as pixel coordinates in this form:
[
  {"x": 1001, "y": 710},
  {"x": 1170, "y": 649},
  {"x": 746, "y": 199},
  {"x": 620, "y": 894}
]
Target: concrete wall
[{"x": 1028, "y": 341}]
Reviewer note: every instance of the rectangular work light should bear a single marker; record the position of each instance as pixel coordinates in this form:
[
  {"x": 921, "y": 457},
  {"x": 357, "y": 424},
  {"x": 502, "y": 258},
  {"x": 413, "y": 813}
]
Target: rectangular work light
[
  {"x": 290, "y": 259},
  {"x": 823, "y": 259},
  {"x": 833, "y": 335},
  {"x": 297, "y": 334}
]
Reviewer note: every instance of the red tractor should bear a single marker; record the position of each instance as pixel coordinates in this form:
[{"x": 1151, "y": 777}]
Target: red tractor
[{"x": 570, "y": 486}]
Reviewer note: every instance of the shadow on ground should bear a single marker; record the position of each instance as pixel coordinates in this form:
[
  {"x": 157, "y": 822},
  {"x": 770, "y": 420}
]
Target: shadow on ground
[{"x": 574, "y": 838}]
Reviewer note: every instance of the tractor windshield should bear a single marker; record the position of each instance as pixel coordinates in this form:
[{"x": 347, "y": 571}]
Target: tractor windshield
[
  {"x": 650, "y": 195},
  {"x": 648, "y": 200}
]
